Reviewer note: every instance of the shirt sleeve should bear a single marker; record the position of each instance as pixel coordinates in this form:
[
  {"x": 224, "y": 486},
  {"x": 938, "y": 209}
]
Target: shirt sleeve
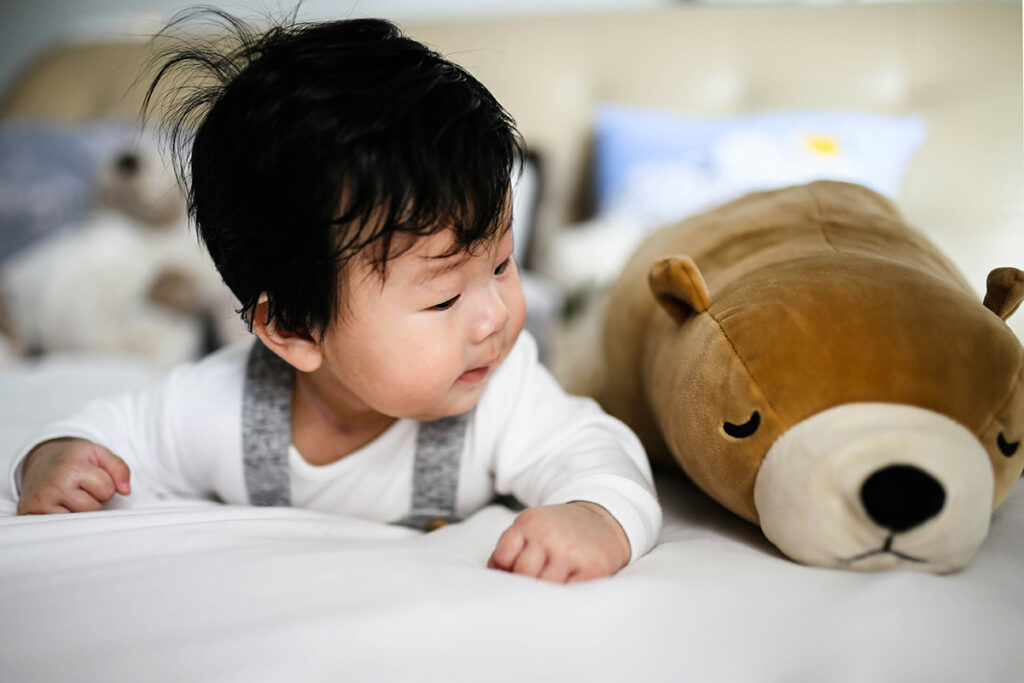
[
  {"x": 180, "y": 437},
  {"x": 550, "y": 447}
]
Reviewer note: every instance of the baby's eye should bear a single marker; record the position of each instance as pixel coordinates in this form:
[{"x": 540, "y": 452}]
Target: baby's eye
[
  {"x": 503, "y": 266},
  {"x": 445, "y": 305}
]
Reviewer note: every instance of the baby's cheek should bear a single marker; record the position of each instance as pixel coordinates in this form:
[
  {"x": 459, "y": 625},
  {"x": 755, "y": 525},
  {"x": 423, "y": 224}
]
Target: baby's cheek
[
  {"x": 419, "y": 389},
  {"x": 517, "y": 310}
]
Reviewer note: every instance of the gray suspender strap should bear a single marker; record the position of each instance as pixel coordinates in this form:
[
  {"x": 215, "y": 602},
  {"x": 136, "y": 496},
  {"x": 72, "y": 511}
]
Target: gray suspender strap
[
  {"x": 267, "y": 427},
  {"x": 266, "y": 438},
  {"x": 435, "y": 476}
]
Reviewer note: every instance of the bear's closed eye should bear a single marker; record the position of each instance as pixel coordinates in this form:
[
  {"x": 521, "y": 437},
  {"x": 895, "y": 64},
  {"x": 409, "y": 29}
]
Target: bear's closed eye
[
  {"x": 744, "y": 430},
  {"x": 1005, "y": 447}
]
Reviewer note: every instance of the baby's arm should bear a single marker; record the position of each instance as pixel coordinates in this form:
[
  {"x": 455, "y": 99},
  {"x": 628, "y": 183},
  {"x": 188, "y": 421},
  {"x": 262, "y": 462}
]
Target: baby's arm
[
  {"x": 71, "y": 475},
  {"x": 179, "y": 436},
  {"x": 563, "y": 543},
  {"x": 583, "y": 474}
]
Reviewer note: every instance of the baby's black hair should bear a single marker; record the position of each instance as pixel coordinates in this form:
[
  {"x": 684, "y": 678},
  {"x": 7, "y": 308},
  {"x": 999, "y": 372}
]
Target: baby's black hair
[{"x": 310, "y": 143}]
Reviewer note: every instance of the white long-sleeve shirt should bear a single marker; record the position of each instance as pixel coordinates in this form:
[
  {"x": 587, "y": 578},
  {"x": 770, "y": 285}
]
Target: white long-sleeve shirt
[{"x": 526, "y": 437}]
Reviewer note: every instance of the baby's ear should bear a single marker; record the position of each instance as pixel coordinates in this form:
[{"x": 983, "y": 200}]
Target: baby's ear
[
  {"x": 298, "y": 349},
  {"x": 679, "y": 287},
  {"x": 1005, "y": 291}
]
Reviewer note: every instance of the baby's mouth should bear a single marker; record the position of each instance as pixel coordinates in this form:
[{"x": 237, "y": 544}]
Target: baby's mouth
[
  {"x": 479, "y": 373},
  {"x": 475, "y": 375}
]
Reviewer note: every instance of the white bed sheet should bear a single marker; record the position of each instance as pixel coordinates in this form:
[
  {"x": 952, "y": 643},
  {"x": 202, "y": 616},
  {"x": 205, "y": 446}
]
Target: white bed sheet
[{"x": 202, "y": 592}]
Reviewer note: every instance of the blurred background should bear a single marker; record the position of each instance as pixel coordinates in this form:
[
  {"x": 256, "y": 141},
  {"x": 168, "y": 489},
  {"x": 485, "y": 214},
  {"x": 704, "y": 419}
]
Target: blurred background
[
  {"x": 636, "y": 112},
  {"x": 30, "y": 26}
]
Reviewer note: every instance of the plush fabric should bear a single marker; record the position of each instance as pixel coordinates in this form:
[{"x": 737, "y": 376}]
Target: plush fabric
[{"x": 735, "y": 327}]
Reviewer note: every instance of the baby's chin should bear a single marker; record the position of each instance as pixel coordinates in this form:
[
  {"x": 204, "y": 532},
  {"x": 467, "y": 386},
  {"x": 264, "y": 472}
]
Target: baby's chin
[
  {"x": 461, "y": 396},
  {"x": 464, "y": 399}
]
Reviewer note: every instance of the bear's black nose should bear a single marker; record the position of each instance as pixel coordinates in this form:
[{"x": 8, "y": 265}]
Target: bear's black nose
[
  {"x": 901, "y": 497},
  {"x": 128, "y": 163}
]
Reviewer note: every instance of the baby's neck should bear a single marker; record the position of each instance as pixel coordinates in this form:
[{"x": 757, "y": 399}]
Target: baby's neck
[{"x": 327, "y": 428}]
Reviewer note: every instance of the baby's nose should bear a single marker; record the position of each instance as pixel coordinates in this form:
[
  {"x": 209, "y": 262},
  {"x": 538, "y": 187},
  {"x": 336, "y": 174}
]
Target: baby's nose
[{"x": 494, "y": 315}]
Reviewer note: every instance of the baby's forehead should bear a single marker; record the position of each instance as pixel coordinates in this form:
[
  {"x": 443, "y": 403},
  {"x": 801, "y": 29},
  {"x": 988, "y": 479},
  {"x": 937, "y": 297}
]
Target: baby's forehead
[
  {"x": 432, "y": 256},
  {"x": 415, "y": 259},
  {"x": 443, "y": 250}
]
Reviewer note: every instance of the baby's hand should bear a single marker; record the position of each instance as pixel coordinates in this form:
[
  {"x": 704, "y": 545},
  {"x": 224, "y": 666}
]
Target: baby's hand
[
  {"x": 70, "y": 475},
  {"x": 563, "y": 543}
]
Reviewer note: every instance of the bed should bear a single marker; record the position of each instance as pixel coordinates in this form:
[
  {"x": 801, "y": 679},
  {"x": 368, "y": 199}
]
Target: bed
[
  {"x": 187, "y": 590},
  {"x": 199, "y": 591}
]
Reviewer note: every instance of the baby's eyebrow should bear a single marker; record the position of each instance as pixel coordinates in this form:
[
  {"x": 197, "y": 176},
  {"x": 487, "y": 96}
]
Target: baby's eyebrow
[{"x": 438, "y": 266}]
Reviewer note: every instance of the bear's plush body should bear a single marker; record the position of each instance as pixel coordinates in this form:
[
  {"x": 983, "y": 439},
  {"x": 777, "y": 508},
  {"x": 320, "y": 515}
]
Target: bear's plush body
[{"x": 820, "y": 368}]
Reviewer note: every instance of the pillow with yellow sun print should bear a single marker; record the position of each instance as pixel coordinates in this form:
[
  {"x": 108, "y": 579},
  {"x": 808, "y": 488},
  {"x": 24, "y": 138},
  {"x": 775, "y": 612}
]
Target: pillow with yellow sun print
[{"x": 654, "y": 167}]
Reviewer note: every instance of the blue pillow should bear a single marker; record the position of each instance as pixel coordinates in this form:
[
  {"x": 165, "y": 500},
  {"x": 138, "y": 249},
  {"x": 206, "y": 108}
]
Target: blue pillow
[{"x": 656, "y": 166}]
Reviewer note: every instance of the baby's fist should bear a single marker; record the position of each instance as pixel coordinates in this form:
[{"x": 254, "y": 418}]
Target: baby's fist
[
  {"x": 563, "y": 543},
  {"x": 70, "y": 475}
]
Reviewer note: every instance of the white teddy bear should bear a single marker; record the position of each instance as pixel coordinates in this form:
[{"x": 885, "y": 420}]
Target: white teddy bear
[{"x": 132, "y": 279}]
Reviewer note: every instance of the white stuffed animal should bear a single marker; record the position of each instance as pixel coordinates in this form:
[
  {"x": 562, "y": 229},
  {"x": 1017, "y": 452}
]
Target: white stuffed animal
[{"x": 133, "y": 278}]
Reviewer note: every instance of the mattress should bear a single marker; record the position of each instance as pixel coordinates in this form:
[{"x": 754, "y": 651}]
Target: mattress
[{"x": 190, "y": 590}]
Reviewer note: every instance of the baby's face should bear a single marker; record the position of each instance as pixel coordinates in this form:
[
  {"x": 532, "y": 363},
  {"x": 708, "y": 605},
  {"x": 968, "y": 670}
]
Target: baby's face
[{"x": 423, "y": 343}]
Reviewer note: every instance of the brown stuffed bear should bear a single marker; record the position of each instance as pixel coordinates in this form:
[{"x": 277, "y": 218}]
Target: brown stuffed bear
[{"x": 821, "y": 369}]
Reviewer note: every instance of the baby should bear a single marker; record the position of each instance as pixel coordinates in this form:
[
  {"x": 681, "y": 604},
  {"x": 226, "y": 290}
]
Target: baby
[{"x": 353, "y": 189}]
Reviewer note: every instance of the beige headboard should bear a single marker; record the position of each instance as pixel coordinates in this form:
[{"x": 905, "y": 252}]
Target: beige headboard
[{"x": 958, "y": 65}]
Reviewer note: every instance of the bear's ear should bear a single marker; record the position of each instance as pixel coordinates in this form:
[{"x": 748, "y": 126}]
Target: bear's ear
[
  {"x": 679, "y": 287},
  {"x": 1005, "y": 291}
]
